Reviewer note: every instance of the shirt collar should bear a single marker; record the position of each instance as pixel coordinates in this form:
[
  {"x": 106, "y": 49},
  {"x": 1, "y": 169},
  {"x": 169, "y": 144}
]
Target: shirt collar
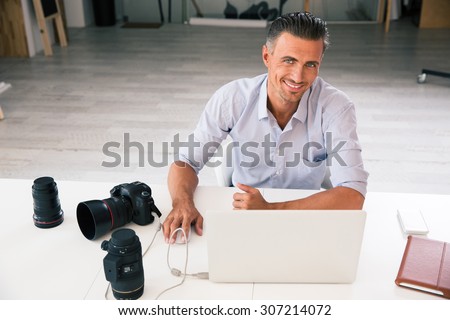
[{"x": 302, "y": 109}]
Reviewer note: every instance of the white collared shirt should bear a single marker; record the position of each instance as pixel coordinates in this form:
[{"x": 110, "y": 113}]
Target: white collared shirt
[{"x": 321, "y": 134}]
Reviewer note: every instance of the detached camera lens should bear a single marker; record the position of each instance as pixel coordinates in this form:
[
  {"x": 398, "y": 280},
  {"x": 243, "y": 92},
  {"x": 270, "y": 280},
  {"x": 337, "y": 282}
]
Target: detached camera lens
[
  {"x": 123, "y": 264},
  {"x": 47, "y": 208}
]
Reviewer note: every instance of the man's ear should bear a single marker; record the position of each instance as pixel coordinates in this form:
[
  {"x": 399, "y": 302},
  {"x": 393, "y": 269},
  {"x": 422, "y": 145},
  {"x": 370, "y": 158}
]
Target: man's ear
[{"x": 265, "y": 55}]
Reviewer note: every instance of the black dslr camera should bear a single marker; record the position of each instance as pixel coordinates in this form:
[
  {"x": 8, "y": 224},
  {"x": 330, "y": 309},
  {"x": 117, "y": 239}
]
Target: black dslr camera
[
  {"x": 128, "y": 202},
  {"x": 123, "y": 264}
]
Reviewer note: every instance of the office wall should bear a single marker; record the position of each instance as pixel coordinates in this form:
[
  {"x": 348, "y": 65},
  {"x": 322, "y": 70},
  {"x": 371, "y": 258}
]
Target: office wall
[
  {"x": 148, "y": 11},
  {"x": 335, "y": 10},
  {"x": 79, "y": 13}
]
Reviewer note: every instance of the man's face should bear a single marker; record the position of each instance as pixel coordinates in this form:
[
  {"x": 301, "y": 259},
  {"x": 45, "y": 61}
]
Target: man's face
[{"x": 293, "y": 65}]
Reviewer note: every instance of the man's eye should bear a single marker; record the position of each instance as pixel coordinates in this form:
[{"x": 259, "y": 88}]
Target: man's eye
[
  {"x": 311, "y": 65},
  {"x": 288, "y": 60}
]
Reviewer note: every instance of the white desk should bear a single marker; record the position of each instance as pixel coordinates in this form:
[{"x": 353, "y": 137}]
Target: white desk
[{"x": 59, "y": 263}]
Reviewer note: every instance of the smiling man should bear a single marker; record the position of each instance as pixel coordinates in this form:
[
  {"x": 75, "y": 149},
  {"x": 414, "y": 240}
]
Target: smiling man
[{"x": 289, "y": 129}]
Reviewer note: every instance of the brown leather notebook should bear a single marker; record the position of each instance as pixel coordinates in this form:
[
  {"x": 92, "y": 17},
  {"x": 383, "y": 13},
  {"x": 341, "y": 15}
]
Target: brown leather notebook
[{"x": 425, "y": 266}]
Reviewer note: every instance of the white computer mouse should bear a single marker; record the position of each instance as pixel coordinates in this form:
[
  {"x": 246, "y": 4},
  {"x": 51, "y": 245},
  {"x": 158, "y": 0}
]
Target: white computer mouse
[{"x": 179, "y": 235}]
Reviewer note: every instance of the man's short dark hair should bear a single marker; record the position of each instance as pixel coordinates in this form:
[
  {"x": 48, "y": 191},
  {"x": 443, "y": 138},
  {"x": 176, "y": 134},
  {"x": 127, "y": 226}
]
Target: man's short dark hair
[{"x": 300, "y": 24}]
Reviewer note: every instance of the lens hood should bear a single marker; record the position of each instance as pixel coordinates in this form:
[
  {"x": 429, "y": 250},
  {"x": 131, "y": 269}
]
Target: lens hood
[{"x": 95, "y": 218}]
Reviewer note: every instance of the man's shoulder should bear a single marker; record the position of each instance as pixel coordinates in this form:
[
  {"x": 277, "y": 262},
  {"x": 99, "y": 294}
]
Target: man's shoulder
[
  {"x": 330, "y": 102},
  {"x": 323, "y": 89},
  {"x": 245, "y": 85},
  {"x": 238, "y": 95}
]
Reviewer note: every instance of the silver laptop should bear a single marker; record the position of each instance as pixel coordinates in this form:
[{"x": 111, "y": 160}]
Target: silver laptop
[{"x": 284, "y": 246}]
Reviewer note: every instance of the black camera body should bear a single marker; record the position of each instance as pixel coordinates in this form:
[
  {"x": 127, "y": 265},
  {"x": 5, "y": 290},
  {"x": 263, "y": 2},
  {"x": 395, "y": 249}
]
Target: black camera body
[
  {"x": 123, "y": 264},
  {"x": 142, "y": 203},
  {"x": 128, "y": 202}
]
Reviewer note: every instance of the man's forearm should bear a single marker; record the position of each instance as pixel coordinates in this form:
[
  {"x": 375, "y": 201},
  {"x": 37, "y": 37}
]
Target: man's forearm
[
  {"x": 182, "y": 182},
  {"x": 335, "y": 199}
]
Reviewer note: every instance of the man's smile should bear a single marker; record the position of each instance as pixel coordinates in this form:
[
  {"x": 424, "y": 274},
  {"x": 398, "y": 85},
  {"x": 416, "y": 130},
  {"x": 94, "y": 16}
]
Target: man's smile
[{"x": 293, "y": 86}]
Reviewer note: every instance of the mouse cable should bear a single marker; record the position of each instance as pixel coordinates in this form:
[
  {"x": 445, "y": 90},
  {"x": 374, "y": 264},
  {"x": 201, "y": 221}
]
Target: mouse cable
[
  {"x": 154, "y": 237},
  {"x": 178, "y": 273},
  {"x": 185, "y": 262}
]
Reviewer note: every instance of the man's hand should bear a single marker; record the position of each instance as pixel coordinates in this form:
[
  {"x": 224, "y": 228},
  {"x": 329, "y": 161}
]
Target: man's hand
[
  {"x": 251, "y": 199},
  {"x": 182, "y": 215}
]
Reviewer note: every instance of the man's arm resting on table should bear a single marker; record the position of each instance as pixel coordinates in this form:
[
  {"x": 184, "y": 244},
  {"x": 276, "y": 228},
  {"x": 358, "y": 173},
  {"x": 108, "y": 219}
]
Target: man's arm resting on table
[
  {"x": 182, "y": 182},
  {"x": 335, "y": 198}
]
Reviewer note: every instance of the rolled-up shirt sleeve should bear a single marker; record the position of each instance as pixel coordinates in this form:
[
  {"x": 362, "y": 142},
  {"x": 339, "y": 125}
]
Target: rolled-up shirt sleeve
[
  {"x": 344, "y": 154},
  {"x": 212, "y": 128}
]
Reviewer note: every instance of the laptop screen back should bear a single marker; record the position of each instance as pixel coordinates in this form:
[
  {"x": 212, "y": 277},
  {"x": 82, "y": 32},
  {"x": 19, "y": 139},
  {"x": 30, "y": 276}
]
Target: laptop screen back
[{"x": 284, "y": 246}]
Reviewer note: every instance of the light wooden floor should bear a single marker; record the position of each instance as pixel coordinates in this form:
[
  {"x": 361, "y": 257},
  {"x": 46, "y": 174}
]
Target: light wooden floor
[{"x": 153, "y": 83}]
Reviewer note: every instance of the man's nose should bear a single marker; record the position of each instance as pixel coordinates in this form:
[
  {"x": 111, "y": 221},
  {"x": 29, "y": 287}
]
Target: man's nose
[{"x": 298, "y": 74}]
